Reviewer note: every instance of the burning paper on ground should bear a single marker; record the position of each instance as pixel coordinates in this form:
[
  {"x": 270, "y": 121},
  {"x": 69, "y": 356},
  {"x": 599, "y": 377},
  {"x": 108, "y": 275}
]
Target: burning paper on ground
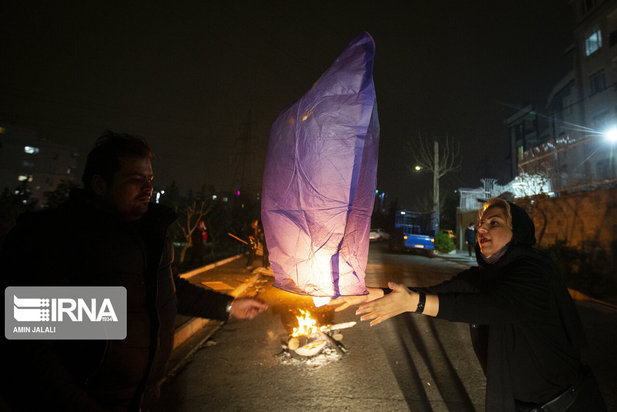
[
  {"x": 320, "y": 178},
  {"x": 309, "y": 340}
]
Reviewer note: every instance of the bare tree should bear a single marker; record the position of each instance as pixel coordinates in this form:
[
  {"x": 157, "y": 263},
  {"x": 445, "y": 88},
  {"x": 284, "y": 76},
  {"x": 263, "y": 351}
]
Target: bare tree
[
  {"x": 436, "y": 158},
  {"x": 192, "y": 214}
]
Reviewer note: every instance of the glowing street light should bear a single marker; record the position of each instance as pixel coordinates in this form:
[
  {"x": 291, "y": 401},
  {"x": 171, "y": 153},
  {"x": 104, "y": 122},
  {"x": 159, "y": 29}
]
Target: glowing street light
[
  {"x": 417, "y": 168},
  {"x": 611, "y": 135}
]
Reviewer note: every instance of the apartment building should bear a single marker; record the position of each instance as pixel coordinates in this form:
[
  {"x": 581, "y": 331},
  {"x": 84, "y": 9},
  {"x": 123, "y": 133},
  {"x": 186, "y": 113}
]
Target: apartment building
[{"x": 26, "y": 158}]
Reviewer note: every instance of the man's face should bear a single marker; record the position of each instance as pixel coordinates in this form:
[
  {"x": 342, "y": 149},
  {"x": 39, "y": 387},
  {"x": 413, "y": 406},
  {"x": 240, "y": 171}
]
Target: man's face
[{"x": 131, "y": 188}]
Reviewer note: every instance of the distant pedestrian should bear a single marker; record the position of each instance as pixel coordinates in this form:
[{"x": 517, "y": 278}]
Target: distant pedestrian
[
  {"x": 471, "y": 237},
  {"x": 256, "y": 238},
  {"x": 198, "y": 241}
]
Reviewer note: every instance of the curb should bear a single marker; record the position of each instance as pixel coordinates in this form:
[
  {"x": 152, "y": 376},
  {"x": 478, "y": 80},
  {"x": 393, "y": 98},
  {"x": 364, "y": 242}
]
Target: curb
[
  {"x": 578, "y": 296},
  {"x": 191, "y": 335},
  {"x": 192, "y": 326},
  {"x": 202, "y": 269}
]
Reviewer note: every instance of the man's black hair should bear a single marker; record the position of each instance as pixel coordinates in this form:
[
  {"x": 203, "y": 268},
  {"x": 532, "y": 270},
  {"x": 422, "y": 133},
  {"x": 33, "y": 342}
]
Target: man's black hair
[{"x": 109, "y": 151}]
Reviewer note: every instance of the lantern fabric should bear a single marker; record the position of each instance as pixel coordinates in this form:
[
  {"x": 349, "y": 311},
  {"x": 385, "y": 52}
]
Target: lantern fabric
[{"x": 320, "y": 179}]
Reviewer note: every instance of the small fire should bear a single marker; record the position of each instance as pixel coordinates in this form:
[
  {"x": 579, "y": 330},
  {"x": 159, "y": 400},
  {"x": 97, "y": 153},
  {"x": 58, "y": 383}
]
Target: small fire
[{"x": 306, "y": 325}]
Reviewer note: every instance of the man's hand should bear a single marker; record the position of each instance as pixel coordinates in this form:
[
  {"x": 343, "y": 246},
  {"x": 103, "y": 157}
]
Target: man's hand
[
  {"x": 399, "y": 301},
  {"x": 347, "y": 301},
  {"x": 246, "y": 308}
]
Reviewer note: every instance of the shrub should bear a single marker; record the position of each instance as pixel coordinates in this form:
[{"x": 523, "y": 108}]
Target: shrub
[{"x": 443, "y": 243}]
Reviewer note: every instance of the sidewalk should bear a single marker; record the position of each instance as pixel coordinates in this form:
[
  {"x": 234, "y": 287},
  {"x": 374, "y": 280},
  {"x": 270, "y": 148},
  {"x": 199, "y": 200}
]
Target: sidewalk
[
  {"x": 228, "y": 276},
  {"x": 460, "y": 257}
]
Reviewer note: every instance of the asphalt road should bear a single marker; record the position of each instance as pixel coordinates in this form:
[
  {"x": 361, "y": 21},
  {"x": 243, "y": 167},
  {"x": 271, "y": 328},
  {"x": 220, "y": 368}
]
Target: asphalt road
[{"x": 411, "y": 362}]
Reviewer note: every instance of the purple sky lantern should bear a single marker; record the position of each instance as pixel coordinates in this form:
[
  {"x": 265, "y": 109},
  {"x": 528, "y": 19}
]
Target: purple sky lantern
[{"x": 320, "y": 179}]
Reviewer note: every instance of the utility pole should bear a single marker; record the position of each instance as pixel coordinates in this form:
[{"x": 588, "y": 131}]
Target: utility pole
[
  {"x": 244, "y": 158},
  {"x": 436, "y": 184},
  {"x": 439, "y": 163}
]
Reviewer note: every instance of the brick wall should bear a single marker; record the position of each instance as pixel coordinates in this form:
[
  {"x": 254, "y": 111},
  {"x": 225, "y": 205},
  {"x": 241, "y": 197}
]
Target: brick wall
[{"x": 584, "y": 220}]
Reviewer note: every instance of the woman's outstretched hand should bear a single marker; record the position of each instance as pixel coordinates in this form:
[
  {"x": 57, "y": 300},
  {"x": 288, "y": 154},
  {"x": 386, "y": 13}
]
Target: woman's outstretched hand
[
  {"x": 399, "y": 301},
  {"x": 347, "y": 301}
]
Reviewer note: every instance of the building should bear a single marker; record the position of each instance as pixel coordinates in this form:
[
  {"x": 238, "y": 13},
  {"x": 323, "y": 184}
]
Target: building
[
  {"x": 568, "y": 146},
  {"x": 27, "y": 159},
  {"x": 471, "y": 201}
]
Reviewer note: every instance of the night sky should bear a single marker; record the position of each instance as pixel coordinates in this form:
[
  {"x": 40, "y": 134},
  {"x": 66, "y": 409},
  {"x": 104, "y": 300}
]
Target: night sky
[{"x": 188, "y": 77}]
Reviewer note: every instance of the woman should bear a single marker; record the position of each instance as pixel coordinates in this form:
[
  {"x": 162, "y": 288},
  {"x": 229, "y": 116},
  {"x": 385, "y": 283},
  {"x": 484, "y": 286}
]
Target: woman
[{"x": 530, "y": 335}]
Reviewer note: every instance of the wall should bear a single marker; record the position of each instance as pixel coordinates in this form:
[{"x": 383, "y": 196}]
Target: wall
[{"x": 585, "y": 220}]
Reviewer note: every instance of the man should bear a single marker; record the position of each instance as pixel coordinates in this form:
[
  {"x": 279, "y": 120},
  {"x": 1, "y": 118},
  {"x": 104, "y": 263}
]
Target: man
[
  {"x": 108, "y": 234},
  {"x": 470, "y": 237}
]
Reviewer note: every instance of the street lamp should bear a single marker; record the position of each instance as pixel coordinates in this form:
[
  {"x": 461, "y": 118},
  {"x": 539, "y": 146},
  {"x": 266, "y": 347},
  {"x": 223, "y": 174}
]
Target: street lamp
[
  {"x": 417, "y": 168},
  {"x": 611, "y": 135}
]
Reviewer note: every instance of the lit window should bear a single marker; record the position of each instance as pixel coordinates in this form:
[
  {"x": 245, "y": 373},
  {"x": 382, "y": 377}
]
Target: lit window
[
  {"x": 22, "y": 178},
  {"x": 68, "y": 171},
  {"x": 214, "y": 197},
  {"x": 520, "y": 153},
  {"x": 593, "y": 42},
  {"x": 31, "y": 149}
]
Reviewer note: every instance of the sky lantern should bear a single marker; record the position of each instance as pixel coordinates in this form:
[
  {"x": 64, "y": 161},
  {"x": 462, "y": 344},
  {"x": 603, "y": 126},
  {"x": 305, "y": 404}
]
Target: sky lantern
[{"x": 320, "y": 180}]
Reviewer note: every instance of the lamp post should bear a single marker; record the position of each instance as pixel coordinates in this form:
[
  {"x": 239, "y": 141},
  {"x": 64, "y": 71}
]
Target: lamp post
[
  {"x": 435, "y": 169},
  {"x": 436, "y": 185}
]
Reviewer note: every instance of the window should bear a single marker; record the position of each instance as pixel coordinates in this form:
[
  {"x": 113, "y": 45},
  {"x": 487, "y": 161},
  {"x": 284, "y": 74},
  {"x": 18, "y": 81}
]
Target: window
[
  {"x": 24, "y": 178},
  {"x": 604, "y": 169},
  {"x": 596, "y": 82},
  {"x": 31, "y": 149},
  {"x": 593, "y": 42},
  {"x": 612, "y": 38},
  {"x": 601, "y": 121},
  {"x": 28, "y": 164},
  {"x": 587, "y": 5},
  {"x": 520, "y": 153}
]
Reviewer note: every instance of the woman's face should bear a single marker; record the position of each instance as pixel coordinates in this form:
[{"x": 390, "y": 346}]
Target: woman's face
[{"x": 493, "y": 231}]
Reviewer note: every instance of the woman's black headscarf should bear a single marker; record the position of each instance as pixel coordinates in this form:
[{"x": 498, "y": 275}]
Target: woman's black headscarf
[
  {"x": 523, "y": 229},
  {"x": 523, "y": 234}
]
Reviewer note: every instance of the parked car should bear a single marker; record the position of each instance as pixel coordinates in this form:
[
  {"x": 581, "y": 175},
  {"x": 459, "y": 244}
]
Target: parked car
[{"x": 378, "y": 235}]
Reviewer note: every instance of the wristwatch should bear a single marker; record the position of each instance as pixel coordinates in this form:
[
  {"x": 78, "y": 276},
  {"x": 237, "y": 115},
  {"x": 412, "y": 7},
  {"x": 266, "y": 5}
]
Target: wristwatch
[{"x": 421, "y": 302}]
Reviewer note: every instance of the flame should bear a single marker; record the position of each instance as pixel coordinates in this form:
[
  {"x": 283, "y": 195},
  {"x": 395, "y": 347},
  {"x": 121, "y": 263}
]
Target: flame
[{"x": 306, "y": 325}]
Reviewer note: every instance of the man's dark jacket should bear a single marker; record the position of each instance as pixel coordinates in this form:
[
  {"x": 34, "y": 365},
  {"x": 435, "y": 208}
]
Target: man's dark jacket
[
  {"x": 83, "y": 243},
  {"x": 471, "y": 236}
]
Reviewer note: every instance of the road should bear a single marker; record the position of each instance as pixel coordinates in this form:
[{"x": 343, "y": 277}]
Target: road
[{"x": 411, "y": 362}]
